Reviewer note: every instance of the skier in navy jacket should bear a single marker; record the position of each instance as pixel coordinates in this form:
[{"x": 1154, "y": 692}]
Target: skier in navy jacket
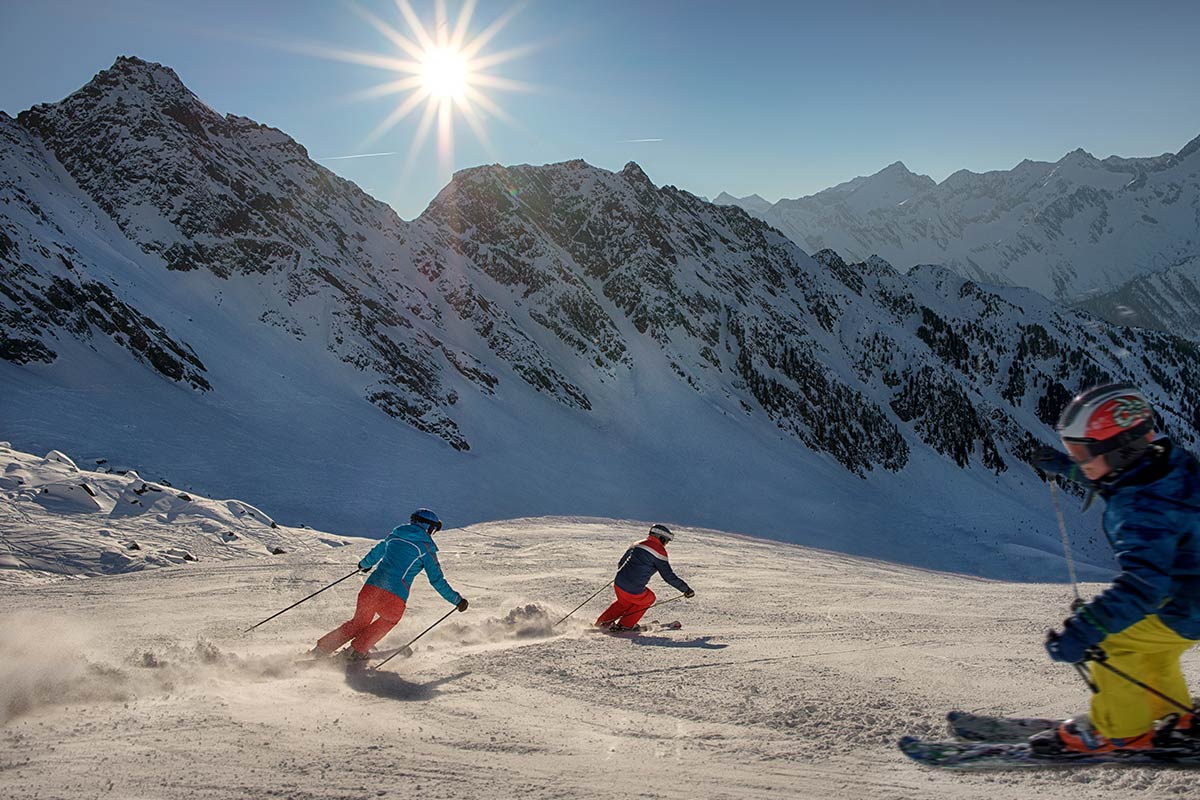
[
  {"x": 1150, "y": 615},
  {"x": 634, "y": 571}
]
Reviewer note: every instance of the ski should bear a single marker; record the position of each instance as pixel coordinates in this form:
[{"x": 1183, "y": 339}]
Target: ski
[
  {"x": 649, "y": 627},
  {"x": 1011, "y": 755},
  {"x": 972, "y": 727},
  {"x": 996, "y": 729},
  {"x": 341, "y": 657}
]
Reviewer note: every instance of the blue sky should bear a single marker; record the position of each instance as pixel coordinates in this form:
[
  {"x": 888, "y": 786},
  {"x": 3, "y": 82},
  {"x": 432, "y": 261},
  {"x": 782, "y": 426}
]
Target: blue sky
[{"x": 779, "y": 98}]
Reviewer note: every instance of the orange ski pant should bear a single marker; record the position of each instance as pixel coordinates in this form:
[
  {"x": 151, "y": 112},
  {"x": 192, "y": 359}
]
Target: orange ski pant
[
  {"x": 627, "y": 609},
  {"x": 376, "y": 613}
]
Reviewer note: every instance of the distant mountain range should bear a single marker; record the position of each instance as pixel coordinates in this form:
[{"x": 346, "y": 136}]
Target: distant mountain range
[
  {"x": 1071, "y": 229},
  {"x": 186, "y": 290}
]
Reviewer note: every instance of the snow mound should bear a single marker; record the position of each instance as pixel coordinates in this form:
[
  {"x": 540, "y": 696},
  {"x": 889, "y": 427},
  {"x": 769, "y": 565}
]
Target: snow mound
[
  {"x": 59, "y": 520},
  {"x": 67, "y": 497},
  {"x": 56, "y": 457}
]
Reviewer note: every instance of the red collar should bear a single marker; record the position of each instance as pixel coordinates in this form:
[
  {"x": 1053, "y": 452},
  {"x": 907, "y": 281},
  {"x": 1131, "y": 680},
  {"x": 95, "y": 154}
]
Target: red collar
[{"x": 656, "y": 545}]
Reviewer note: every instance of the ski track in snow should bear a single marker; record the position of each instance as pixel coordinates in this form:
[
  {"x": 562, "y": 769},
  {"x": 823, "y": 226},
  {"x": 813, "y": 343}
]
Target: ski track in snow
[{"x": 794, "y": 675}]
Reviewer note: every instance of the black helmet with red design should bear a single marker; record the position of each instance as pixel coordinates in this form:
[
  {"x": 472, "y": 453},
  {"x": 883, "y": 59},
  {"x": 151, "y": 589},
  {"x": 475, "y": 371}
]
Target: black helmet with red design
[{"x": 1111, "y": 420}]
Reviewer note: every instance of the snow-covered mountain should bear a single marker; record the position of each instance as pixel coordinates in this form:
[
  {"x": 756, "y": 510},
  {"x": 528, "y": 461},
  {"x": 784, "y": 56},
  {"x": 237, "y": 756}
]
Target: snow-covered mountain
[
  {"x": 190, "y": 294},
  {"x": 1066, "y": 229},
  {"x": 751, "y": 202},
  {"x": 1168, "y": 300}
]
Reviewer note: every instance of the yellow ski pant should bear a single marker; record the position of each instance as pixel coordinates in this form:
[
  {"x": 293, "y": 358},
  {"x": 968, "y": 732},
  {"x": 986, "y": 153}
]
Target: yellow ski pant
[{"x": 1148, "y": 651}]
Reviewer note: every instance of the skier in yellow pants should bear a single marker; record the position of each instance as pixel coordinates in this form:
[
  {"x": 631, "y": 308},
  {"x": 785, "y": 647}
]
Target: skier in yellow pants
[
  {"x": 1151, "y": 614},
  {"x": 1150, "y": 651}
]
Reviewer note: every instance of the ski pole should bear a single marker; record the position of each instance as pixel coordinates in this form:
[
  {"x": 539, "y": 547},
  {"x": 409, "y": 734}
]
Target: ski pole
[
  {"x": 585, "y": 602},
  {"x": 663, "y": 602},
  {"x": 1100, "y": 657},
  {"x": 418, "y": 636},
  {"x": 1078, "y": 601},
  {"x": 298, "y": 602},
  {"x": 1062, "y": 527}
]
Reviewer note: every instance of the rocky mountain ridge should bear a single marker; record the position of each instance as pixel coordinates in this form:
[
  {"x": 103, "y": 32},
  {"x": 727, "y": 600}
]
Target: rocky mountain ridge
[
  {"x": 1067, "y": 229},
  {"x": 529, "y": 307}
]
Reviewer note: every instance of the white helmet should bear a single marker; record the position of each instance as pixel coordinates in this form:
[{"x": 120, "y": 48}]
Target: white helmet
[
  {"x": 1111, "y": 420},
  {"x": 662, "y": 532}
]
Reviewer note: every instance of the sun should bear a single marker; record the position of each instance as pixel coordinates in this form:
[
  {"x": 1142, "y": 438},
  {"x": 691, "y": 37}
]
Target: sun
[
  {"x": 444, "y": 74},
  {"x": 441, "y": 70}
]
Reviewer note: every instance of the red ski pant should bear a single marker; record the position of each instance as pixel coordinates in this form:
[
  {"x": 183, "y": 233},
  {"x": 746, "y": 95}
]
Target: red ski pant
[
  {"x": 627, "y": 609},
  {"x": 376, "y": 613}
]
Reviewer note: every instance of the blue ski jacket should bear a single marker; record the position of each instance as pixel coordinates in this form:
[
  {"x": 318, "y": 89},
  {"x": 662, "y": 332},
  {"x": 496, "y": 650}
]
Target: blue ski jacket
[
  {"x": 1152, "y": 521},
  {"x": 401, "y": 556},
  {"x": 639, "y": 564}
]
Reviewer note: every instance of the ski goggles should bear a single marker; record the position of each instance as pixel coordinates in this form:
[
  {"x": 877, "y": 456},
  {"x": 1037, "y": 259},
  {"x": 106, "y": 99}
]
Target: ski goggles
[
  {"x": 1084, "y": 450},
  {"x": 432, "y": 525}
]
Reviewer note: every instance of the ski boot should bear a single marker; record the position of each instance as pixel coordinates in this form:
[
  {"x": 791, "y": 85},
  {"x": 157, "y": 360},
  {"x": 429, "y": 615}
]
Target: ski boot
[
  {"x": 353, "y": 659},
  {"x": 1077, "y": 735},
  {"x": 1178, "y": 731}
]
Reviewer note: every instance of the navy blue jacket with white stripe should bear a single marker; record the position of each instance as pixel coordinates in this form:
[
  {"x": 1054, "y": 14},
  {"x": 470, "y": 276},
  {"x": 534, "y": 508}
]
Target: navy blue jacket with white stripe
[{"x": 639, "y": 564}]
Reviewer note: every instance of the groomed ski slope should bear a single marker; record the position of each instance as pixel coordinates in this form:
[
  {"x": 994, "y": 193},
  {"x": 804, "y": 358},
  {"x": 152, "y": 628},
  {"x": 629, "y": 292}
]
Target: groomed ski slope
[{"x": 796, "y": 672}]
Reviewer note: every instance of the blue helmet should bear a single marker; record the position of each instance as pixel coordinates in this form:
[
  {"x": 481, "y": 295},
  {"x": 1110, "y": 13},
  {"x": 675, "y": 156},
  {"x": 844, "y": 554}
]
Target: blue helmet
[{"x": 427, "y": 520}]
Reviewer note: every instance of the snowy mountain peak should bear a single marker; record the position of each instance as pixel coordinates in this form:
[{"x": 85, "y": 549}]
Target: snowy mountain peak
[
  {"x": 896, "y": 168},
  {"x": 752, "y": 203},
  {"x": 1188, "y": 149},
  {"x": 1079, "y": 156},
  {"x": 635, "y": 174},
  {"x": 130, "y": 84},
  {"x": 901, "y": 175}
]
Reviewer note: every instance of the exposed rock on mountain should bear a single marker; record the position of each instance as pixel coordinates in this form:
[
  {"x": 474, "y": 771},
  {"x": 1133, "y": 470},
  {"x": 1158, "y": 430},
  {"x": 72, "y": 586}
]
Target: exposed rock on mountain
[
  {"x": 550, "y": 308},
  {"x": 1077, "y": 226}
]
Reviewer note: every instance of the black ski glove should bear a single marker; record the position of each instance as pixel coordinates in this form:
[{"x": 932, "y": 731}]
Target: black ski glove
[
  {"x": 361, "y": 568},
  {"x": 1053, "y": 462},
  {"x": 1049, "y": 461},
  {"x": 462, "y": 604},
  {"x": 690, "y": 593}
]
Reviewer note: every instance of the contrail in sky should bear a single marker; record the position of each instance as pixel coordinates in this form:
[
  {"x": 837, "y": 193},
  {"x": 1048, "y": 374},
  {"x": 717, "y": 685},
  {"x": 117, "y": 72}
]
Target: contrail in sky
[
  {"x": 360, "y": 155},
  {"x": 631, "y": 141}
]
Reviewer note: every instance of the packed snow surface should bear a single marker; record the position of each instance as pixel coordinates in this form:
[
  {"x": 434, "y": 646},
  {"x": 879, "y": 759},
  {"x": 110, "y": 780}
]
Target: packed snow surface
[{"x": 794, "y": 674}]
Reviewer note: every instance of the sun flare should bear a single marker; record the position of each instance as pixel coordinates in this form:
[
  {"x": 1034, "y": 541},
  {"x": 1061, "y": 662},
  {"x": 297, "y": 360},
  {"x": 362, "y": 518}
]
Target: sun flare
[
  {"x": 444, "y": 73},
  {"x": 442, "y": 70}
]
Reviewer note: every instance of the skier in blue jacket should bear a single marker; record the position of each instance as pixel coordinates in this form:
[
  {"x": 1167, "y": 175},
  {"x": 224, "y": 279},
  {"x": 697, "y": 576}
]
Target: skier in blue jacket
[
  {"x": 634, "y": 571},
  {"x": 1150, "y": 615},
  {"x": 401, "y": 556}
]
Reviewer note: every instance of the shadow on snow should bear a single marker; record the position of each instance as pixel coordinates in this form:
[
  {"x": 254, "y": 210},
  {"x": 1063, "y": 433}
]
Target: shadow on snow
[{"x": 391, "y": 686}]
